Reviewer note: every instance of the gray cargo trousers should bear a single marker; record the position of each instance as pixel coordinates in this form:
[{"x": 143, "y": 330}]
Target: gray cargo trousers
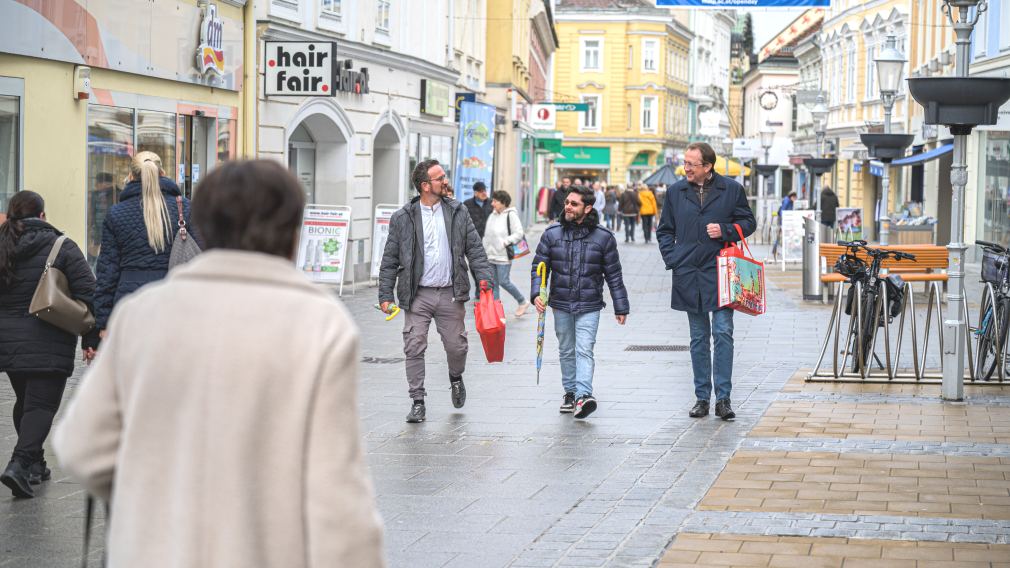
[{"x": 434, "y": 303}]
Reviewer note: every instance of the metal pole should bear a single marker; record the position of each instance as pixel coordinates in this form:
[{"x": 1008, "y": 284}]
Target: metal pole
[
  {"x": 953, "y": 325},
  {"x": 885, "y": 181}
]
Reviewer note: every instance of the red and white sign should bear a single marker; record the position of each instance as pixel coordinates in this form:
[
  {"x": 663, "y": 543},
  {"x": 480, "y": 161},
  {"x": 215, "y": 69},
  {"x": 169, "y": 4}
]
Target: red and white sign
[
  {"x": 299, "y": 68},
  {"x": 543, "y": 117}
]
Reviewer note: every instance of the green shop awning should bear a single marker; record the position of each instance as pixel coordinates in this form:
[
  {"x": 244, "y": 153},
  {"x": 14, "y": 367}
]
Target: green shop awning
[
  {"x": 584, "y": 156},
  {"x": 642, "y": 159},
  {"x": 552, "y": 145}
]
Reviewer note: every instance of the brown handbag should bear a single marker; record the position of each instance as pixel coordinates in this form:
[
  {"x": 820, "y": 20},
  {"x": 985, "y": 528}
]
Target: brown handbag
[{"x": 52, "y": 302}]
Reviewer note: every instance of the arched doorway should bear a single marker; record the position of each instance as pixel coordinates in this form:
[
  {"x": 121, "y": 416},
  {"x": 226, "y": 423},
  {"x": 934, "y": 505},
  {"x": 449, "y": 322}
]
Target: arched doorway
[
  {"x": 319, "y": 153},
  {"x": 386, "y": 156}
]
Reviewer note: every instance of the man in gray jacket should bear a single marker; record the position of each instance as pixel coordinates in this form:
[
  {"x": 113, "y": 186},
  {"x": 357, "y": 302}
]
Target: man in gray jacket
[{"x": 431, "y": 240}]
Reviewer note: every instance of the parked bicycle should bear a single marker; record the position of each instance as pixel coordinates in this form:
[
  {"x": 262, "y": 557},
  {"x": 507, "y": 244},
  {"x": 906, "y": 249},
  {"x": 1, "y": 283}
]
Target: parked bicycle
[
  {"x": 993, "y": 320},
  {"x": 870, "y": 316}
]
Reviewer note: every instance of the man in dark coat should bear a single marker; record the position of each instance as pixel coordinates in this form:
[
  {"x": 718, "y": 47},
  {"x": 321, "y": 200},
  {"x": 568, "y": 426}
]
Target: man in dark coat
[
  {"x": 829, "y": 205},
  {"x": 699, "y": 215},
  {"x": 432, "y": 246},
  {"x": 479, "y": 207},
  {"x": 579, "y": 255},
  {"x": 558, "y": 200}
]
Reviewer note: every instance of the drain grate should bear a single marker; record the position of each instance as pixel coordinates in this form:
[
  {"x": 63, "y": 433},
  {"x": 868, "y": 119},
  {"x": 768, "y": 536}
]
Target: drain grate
[
  {"x": 382, "y": 360},
  {"x": 657, "y": 348}
]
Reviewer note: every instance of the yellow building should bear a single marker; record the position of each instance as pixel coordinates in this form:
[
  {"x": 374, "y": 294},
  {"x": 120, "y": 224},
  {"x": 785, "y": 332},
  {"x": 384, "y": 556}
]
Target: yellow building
[
  {"x": 81, "y": 94},
  {"x": 629, "y": 62}
]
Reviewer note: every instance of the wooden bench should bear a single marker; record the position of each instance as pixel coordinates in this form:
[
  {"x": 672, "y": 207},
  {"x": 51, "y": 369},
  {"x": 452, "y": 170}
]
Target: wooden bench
[{"x": 930, "y": 264}]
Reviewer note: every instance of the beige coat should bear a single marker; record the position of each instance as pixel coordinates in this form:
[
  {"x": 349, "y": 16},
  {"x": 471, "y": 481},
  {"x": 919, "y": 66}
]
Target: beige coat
[{"x": 221, "y": 418}]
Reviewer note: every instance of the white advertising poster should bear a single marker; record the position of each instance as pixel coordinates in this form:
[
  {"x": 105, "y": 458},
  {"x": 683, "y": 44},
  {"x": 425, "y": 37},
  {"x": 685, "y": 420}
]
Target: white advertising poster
[
  {"x": 322, "y": 246},
  {"x": 792, "y": 234},
  {"x": 543, "y": 117},
  {"x": 380, "y": 232}
]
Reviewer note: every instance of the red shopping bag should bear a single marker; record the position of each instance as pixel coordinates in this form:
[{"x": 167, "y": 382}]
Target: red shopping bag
[
  {"x": 741, "y": 278},
  {"x": 489, "y": 316}
]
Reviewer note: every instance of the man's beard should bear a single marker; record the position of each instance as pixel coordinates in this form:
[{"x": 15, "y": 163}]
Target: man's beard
[{"x": 575, "y": 217}]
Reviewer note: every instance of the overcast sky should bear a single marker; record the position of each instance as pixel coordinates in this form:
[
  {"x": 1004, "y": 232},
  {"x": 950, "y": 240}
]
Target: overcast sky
[{"x": 768, "y": 22}]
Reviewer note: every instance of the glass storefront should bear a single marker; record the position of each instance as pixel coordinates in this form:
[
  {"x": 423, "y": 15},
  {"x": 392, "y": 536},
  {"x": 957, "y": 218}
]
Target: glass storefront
[
  {"x": 994, "y": 199},
  {"x": 110, "y": 148},
  {"x": 9, "y": 142},
  {"x": 430, "y": 146}
]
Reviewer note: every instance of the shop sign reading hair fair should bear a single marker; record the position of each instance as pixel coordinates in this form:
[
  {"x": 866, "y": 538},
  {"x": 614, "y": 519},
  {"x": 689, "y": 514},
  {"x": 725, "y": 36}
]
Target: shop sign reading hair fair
[
  {"x": 302, "y": 68},
  {"x": 210, "y": 52}
]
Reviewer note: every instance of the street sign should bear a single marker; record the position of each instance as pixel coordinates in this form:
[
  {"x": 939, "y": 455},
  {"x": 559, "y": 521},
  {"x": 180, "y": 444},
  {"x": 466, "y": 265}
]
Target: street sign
[
  {"x": 543, "y": 117},
  {"x": 569, "y": 107},
  {"x": 299, "y": 68},
  {"x": 746, "y": 148}
]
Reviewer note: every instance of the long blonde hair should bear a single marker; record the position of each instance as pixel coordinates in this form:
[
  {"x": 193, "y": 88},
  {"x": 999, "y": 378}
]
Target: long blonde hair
[{"x": 146, "y": 167}]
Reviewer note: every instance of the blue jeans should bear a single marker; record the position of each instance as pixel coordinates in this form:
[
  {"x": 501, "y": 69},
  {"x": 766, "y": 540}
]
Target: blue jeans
[
  {"x": 576, "y": 341},
  {"x": 502, "y": 280},
  {"x": 720, "y": 328}
]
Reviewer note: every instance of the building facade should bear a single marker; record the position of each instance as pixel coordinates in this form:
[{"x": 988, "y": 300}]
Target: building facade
[
  {"x": 81, "y": 91},
  {"x": 357, "y": 147},
  {"x": 614, "y": 57}
]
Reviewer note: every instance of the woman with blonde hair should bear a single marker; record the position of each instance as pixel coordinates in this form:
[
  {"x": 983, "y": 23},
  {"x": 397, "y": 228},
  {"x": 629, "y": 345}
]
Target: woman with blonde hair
[{"x": 137, "y": 234}]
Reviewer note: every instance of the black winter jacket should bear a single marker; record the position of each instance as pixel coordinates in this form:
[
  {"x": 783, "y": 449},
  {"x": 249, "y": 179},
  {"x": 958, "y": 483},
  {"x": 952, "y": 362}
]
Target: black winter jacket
[
  {"x": 127, "y": 261},
  {"x": 557, "y": 210},
  {"x": 579, "y": 257},
  {"x": 28, "y": 344},
  {"x": 479, "y": 214},
  {"x": 686, "y": 247}
]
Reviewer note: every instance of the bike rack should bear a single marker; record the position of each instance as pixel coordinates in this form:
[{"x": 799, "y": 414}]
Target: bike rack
[{"x": 891, "y": 374}]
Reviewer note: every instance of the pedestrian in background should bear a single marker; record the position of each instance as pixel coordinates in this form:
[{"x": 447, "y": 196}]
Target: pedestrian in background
[
  {"x": 610, "y": 208},
  {"x": 829, "y": 206},
  {"x": 579, "y": 255},
  {"x": 504, "y": 229},
  {"x": 787, "y": 205},
  {"x": 137, "y": 234},
  {"x": 558, "y": 199},
  {"x": 647, "y": 211},
  {"x": 38, "y": 357},
  {"x": 599, "y": 195},
  {"x": 431, "y": 279},
  {"x": 479, "y": 207},
  {"x": 697, "y": 221},
  {"x": 182, "y": 425},
  {"x": 630, "y": 206}
]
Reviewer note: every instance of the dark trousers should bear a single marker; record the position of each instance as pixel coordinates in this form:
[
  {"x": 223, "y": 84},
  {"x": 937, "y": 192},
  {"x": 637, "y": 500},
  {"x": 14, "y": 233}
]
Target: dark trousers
[
  {"x": 647, "y": 227},
  {"x": 38, "y": 399},
  {"x": 629, "y": 227}
]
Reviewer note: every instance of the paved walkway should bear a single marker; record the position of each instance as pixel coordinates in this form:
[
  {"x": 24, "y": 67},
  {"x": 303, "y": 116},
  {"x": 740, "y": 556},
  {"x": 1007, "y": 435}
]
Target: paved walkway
[{"x": 507, "y": 481}]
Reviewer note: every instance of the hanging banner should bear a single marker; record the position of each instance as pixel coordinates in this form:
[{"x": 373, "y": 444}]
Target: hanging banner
[
  {"x": 475, "y": 149},
  {"x": 380, "y": 232},
  {"x": 792, "y": 234},
  {"x": 322, "y": 245},
  {"x": 850, "y": 223},
  {"x": 745, "y": 3}
]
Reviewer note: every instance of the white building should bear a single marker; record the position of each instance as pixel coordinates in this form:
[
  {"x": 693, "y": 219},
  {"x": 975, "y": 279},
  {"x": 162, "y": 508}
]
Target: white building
[{"x": 357, "y": 147}]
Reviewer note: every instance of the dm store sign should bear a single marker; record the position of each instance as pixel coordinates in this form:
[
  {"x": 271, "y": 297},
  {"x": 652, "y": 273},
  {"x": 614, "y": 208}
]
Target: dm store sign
[{"x": 303, "y": 68}]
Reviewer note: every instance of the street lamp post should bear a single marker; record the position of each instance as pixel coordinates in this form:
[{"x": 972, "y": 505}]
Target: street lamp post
[
  {"x": 890, "y": 64},
  {"x": 820, "y": 115},
  {"x": 767, "y": 136}
]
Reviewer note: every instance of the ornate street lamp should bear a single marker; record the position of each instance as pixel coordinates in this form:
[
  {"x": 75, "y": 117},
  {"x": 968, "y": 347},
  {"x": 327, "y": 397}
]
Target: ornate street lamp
[
  {"x": 766, "y": 170},
  {"x": 820, "y": 165},
  {"x": 820, "y": 115},
  {"x": 767, "y": 139},
  {"x": 960, "y": 103}
]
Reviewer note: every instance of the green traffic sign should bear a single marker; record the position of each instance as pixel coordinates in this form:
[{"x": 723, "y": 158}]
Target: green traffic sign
[{"x": 570, "y": 107}]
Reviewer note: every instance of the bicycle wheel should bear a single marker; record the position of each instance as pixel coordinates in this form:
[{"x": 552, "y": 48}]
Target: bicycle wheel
[
  {"x": 868, "y": 324},
  {"x": 989, "y": 345}
]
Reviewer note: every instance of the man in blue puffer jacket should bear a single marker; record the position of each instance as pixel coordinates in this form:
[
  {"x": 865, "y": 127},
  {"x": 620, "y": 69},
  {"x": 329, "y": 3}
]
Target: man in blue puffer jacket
[{"x": 579, "y": 255}]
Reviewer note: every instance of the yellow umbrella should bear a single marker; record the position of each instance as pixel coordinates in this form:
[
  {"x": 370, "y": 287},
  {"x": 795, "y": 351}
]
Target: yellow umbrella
[{"x": 723, "y": 167}]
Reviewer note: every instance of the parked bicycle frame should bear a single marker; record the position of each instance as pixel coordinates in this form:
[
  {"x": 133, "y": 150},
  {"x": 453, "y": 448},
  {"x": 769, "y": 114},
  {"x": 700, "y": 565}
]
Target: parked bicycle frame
[{"x": 994, "y": 313}]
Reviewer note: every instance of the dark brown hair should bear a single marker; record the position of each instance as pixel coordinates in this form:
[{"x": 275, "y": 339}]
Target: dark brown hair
[
  {"x": 502, "y": 197},
  {"x": 253, "y": 205},
  {"x": 420, "y": 173},
  {"x": 707, "y": 153},
  {"x": 23, "y": 205}
]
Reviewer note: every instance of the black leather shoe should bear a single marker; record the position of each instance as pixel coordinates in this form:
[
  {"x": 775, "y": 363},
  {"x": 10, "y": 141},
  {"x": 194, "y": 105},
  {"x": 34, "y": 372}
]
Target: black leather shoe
[
  {"x": 458, "y": 390},
  {"x": 700, "y": 409},
  {"x": 16, "y": 478},
  {"x": 724, "y": 410},
  {"x": 416, "y": 413},
  {"x": 38, "y": 472}
]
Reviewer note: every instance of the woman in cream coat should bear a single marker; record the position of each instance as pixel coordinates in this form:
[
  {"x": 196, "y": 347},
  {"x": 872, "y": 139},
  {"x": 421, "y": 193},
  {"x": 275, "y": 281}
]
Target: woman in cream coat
[
  {"x": 219, "y": 419},
  {"x": 503, "y": 229}
]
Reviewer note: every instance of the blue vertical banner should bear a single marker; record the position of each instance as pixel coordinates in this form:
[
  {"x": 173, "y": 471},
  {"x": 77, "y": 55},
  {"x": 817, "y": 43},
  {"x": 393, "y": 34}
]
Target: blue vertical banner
[{"x": 474, "y": 148}]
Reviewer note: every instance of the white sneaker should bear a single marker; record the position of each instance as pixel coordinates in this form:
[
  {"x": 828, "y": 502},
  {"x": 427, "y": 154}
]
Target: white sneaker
[{"x": 521, "y": 310}]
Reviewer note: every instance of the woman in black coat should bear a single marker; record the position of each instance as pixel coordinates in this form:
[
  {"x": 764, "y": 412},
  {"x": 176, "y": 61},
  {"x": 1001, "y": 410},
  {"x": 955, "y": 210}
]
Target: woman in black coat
[
  {"x": 137, "y": 234},
  {"x": 38, "y": 357}
]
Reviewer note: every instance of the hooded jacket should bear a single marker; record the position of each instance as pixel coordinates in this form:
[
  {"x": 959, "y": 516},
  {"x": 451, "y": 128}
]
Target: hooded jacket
[
  {"x": 579, "y": 258},
  {"x": 127, "y": 260},
  {"x": 497, "y": 235},
  {"x": 28, "y": 344},
  {"x": 403, "y": 258}
]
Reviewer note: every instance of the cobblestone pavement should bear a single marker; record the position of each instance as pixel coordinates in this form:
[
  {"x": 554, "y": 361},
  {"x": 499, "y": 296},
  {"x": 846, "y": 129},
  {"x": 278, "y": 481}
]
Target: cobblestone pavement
[{"x": 507, "y": 481}]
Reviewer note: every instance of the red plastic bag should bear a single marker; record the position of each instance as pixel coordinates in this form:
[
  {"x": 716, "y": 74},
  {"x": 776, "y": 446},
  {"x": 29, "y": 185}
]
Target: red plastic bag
[
  {"x": 489, "y": 316},
  {"x": 741, "y": 279}
]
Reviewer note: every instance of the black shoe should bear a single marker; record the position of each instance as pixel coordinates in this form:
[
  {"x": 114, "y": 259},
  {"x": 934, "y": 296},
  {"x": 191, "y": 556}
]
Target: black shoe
[
  {"x": 568, "y": 404},
  {"x": 585, "y": 406},
  {"x": 38, "y": 472},
  {"x": 416, "y": 413},
  {"x": 700, "y": 409},
  {"x": 16, "y": 478},
  {"x": 458, "y": 390},
  {"x": 724, "y": 410}
]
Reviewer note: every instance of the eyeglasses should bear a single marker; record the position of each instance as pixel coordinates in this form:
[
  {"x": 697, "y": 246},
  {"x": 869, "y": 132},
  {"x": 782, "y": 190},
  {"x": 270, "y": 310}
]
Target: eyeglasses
[
  {"x": 439, "y": 179},
  {"x": 573, "y": 203},
  {"x": 692, "y": 166}
]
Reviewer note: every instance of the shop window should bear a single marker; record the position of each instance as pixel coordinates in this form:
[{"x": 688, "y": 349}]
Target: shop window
[
  {"x": 110, "y": 149},
  {"x": 996, "y": 195},
  {"x": 10, "y": 141},
  {"x": 156, "y": 133},
  {"x": 227, "y": 138}
]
